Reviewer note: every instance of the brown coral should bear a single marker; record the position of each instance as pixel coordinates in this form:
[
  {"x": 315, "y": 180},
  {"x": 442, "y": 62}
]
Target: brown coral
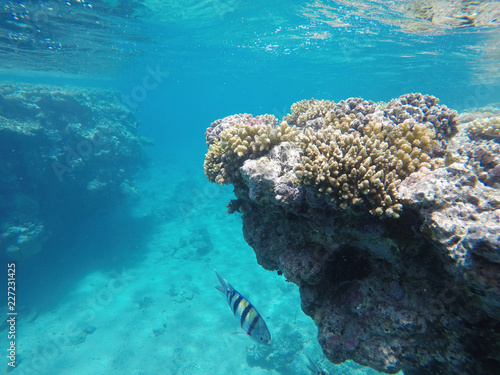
[
  {"x": 354, "y": 151},
  {"x": 240, "y": 142},
  {"x": 213, "y": 161},
  {"x": 309, "y": 112},
  {"x": 488, "y": 127},
  {"x": 350, "y": 167}
]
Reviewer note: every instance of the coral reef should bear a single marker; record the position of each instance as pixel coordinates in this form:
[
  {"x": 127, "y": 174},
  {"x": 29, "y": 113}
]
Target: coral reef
[
  {"x": 237, "y": 138},
  {"x": 353, "y": 152},
  {"x": 347, "y": 166},
  {"x": 22, "y": 241},
  {"x": 306, "y": 111},
  {"x": 386, "y": 215},
  {"x": 478, "y": 146},
  {"x": 486, "y": 127},
  {"x": 65, "y": 152},
  {"x": 461, "y": 217}
]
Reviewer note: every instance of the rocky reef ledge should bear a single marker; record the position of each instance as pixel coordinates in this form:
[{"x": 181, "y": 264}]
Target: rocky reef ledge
[
  {"x": 65, "y": 153},
  {"x": 387, "y": 217}
]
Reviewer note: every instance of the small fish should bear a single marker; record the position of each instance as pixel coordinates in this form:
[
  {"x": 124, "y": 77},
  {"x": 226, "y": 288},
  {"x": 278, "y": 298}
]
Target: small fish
[
  {"x": 250, "y": 320},
  {"x": 314, "y": 368}
]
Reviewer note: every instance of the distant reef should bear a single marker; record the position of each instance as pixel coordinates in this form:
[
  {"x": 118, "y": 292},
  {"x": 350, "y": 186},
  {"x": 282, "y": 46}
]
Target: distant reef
[
  {"x": 64, "y": 153},
  {"x": 387, "y": 217}
]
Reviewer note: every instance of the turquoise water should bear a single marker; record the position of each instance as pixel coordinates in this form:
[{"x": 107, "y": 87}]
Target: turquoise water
[{"x": 130, "y": 290}]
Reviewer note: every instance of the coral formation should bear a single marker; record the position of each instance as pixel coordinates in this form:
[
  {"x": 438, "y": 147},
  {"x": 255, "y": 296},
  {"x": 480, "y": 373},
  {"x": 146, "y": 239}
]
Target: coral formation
[
  {"x": 486, "y": 127},
  {"x": 304, "y": 113},
  {"x": 23, "y": 241},
  {"x": 460, "y": 216},
  {"x": 213, "y": 161},
  {"x": 65, "y": 151},
  {"x": 419, "y": 292},
  {"x": 272, "y": 177},
  {"x": 485, "y": 159},
  {"x": 479, "y": 148},
  {"x": 347, "y": 166},
  {"x": 354, "y": 151},
  {"x": 240, "y": 137}
]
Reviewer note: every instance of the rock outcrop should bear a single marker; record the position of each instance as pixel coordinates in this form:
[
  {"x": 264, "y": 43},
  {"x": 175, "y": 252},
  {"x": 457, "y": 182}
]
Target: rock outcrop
[
  {"x": 65, "y": 153},
  {"x": 400, "y": 272}
]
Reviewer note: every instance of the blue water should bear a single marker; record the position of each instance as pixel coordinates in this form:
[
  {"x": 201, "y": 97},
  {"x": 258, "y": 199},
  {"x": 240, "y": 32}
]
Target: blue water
[{"x": 130, "y": 290}]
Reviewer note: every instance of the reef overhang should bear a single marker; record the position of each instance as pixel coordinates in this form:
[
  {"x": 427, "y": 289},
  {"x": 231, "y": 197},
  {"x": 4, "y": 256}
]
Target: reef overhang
[{"x": 387, "y": 217}]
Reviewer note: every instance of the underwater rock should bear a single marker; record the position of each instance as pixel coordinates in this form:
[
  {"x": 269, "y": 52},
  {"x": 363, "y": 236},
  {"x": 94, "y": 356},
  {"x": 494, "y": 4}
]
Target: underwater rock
[
  {"x": 23, "y": 241},
  {"x": 459, "y": 206},
  {"x": 66, "y": 152},
  {"x": 418, "y": 290},
  {"x": 273, "y": 175}
]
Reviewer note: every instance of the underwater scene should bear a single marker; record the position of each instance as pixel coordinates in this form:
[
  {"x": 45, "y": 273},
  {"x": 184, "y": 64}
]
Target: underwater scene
[{"x": 247, "y": 187}]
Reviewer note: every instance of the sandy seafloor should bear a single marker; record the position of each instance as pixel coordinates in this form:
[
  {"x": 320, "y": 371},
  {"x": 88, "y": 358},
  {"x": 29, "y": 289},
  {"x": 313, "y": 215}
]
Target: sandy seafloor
[{"x": 160, "y": 313}]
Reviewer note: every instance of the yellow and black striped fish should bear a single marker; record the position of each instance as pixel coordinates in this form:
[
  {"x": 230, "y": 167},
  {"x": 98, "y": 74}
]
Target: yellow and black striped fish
[{"x": 250, "y": 320}]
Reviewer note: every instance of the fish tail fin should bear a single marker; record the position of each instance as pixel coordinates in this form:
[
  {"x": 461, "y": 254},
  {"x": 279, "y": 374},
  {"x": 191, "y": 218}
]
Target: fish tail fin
[{"x": 223, "y": 286}]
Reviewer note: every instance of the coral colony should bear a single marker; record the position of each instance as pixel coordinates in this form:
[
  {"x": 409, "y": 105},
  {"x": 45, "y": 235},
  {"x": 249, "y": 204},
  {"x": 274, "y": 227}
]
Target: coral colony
[
  {"x": 351, "y": 152},
  {"x": 73, "y": 145},
  {"x": 386, "y": 215}
]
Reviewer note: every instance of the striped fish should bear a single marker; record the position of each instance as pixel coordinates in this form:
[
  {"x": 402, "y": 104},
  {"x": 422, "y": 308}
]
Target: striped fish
[{"x": 250, "y": 320}]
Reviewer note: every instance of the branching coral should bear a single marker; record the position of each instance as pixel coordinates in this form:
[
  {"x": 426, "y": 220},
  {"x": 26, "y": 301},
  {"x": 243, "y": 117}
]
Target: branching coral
[
  {"x": 242, "y": 141},
  {"x": 364, "y": 150},
  {"x": 220, "y": 125},
  {"x": 353, "y": 151},
  {"x": 485, "y": 127},
  {"x": 213, "y": 161},
  {"x": 349, "y": 166},
  {"x": 361, "y": 278},
  {"x": 484, "y": 155},
  {"x": 305, "y": 111}
]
